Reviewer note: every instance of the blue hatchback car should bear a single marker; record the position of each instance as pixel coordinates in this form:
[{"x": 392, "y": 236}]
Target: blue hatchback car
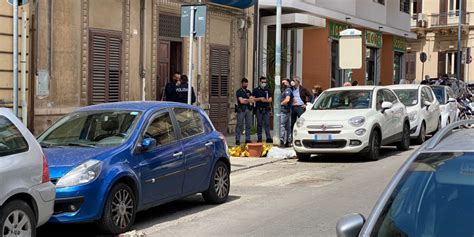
[{"x": 109, "y": 161}]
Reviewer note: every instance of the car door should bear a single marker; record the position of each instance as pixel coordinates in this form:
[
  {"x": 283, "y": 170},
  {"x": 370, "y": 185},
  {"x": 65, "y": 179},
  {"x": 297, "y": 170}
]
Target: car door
[
  {"x": 451, "y": 105},
  {"x": 162, "y": 166},
  {"x": 397, "y": 110},
  {"x": 385, "y": 119},
  {"x": 434, "y": 108},
  {"x": 425, "y": 110},
  {"x": 197, "y": 149}
]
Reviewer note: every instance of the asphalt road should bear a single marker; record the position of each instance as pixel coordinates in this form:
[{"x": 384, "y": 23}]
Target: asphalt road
[{"x": 286, "y": 198}]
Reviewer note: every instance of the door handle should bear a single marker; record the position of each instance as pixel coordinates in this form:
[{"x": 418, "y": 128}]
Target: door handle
[
  {"x": 209, "y": 144},
  {"x": 178, "y": 154}
]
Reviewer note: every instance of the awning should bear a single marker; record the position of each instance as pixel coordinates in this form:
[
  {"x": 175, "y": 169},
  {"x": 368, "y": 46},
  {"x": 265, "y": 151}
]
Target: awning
[{"x": 242, "y": 4}]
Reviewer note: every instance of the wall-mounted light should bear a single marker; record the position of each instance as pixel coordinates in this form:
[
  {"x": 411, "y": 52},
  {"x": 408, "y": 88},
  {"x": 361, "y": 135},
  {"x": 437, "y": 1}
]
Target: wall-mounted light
[
  {"x": 347, "y": 18},
  {"x": 380, "y": 27}
]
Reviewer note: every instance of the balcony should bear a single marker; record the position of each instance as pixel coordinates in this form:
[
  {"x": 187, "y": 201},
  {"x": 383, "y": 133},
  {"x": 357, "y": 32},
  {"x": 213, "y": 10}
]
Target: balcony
[
  {"x": 446, "y": 23},
  {"x": 449, "y": 19}
]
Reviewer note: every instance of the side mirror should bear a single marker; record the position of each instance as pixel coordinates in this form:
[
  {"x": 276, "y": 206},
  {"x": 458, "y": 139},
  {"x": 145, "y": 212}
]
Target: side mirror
[
  {"x": 147, "y": 144},
  {"x": 427, "y": 103},
  {"x": 386, "y": 105},
  {"x": 350, "y": 225},
  {"x": 452, "y": 100}
]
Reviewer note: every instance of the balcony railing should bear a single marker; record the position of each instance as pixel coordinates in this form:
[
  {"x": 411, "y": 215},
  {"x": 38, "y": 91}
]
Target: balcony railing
[{"x": 448, "y": 19}]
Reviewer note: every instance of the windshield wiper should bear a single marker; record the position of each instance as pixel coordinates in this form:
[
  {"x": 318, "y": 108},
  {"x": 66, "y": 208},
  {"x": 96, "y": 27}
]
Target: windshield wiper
[{"x": 81, "y": 145}]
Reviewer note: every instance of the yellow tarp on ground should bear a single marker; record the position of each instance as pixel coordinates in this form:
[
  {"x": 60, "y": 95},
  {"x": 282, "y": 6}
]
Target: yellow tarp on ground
[{"x": 243, "y": 151}]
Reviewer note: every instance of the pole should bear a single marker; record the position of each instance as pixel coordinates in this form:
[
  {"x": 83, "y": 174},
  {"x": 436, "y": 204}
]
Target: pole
[
  {"x": 199, "y": 63},
  {"x": 15, "y": 58},
  {"x": 458, "y": 69},
  {"x": 423, "y": 71},
  {"x": 24, "y": 104},
  {"x": 276, "y": 104},
  {"x": 190, "y": 60}
]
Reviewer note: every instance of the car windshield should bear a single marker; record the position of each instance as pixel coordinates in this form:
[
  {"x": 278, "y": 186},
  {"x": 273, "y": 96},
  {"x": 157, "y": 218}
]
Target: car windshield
[
  {"x": 434, "y": 198},
  {"x": 344, "y": 99},
  {"x": 90, "y": 129},
  {"x": 440, "y": 94},
  {"x": 409, "y": 97}
]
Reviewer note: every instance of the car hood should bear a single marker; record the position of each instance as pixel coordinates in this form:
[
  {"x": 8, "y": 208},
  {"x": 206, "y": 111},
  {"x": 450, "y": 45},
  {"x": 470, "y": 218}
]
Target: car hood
[
  {"x": 63, "y": 159},
  {"x": 334, "y": 115}
]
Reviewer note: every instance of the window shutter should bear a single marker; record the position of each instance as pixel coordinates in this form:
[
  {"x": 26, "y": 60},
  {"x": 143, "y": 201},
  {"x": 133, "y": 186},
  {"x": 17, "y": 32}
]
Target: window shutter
[
  {"x": 105, "y": 67},
  {"x": 441, "y": 63},
  {"x": 219, "y": 87}
]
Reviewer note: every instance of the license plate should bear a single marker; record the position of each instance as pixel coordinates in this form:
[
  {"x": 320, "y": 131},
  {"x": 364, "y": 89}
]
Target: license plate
[{"x": 323, "y": 137}]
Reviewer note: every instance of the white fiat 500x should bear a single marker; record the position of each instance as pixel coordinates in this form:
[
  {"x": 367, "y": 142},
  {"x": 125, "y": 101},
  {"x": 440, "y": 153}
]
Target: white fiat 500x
[
  {"x": 423, "y": 109},
  {"x": 352, "y": 120}
]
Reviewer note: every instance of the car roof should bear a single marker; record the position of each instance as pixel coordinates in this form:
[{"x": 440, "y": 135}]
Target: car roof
[
  {"x": 459, "y": 140},
  {"x": 352, "y": 88},
  {"x": 405, "y": 86},
  {"x": 141, "y": 106}
]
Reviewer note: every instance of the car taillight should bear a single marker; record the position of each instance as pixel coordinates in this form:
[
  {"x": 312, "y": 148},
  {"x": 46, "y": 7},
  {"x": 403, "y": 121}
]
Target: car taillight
[{"x": 45, "y": 176}]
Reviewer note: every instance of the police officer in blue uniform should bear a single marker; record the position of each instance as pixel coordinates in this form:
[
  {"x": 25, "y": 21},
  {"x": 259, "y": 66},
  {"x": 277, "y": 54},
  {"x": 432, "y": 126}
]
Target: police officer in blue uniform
[
  {"x": 244, "y": 111},
  {"x": 263, "y": 100},
  {"x": 286, "y": 101}
]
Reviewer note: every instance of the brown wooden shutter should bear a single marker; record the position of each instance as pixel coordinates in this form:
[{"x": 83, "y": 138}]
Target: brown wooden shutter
[
  {"x": 105, "y": 66},
  {"x": 219, "y": 87},
  {"x": 419, "y": 6},
  {"x": 443, "y": 12},
  {"x": 411, "y": 66},
  {"x": 441, "y": 63}
]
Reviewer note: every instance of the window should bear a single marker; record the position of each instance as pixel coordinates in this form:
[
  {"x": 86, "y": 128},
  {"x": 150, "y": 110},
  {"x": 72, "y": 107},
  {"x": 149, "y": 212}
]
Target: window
[
  {"x": 380, "y": 1},
  {"x": 189, "y": 122},
  {"x": 425, "y": 96},
  {"x": 161, "y": 129},
  {"x": 429, "y": 92},
  {"x": 342, "y": 100},
  {"x": 390, "y": 97},
  {"x": 379, "y": 100},
  {"x": 405, "y": 6},
  {"x": 11, "y": 140},
  {"x": 408, "y": 97}
]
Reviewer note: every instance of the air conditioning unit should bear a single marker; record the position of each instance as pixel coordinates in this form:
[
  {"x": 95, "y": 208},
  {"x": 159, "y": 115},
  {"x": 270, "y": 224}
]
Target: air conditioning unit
[{"x": 422, "y": 20}]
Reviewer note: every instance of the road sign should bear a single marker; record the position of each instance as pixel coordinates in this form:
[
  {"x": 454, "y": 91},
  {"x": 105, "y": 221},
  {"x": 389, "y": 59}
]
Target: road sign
[
  {"x": 423, "y": 57},
  {"x": 350, "y": 49},
  {"x": 20, "y": 2},
  {"x": 199, "y": 20}
]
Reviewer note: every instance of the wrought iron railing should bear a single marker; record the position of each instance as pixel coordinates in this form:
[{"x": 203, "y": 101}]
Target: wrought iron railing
[{"x": 448, "y": 19}]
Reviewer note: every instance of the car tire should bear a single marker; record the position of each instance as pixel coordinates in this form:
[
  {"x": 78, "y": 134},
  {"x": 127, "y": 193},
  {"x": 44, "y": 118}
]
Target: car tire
[
  {"x": 404, "y": 144},
  {"x": 12, "y": 215},
  {"x": 119, "y": 210},
  {"x": 219, "y": 185},
  {"x": 422, "y": 136},
  {"x": 374, "y": 146},
  {"x": 303, "y": 156}
]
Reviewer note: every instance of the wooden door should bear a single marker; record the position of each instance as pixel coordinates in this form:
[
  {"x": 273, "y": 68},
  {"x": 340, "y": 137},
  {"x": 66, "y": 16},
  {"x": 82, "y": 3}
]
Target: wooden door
[
  {"x": 219, "y": 87},
  {"x": 441, "y": 63},
  {"x": 410, "y": 60},
  {"x": 163, "y": 68}
]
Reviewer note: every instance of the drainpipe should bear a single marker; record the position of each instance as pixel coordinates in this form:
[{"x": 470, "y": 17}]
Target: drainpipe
[
  {"x": 256, "y": 40},
  {"x": 199, "y": 66},
  {"x": 142, "y": 59},
  {"x": 24, "y": 104}
]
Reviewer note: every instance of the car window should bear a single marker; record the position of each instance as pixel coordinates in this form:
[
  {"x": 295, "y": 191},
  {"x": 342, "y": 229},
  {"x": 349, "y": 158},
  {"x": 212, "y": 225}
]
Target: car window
[
  {"x": 440, "y": 94},
  {"x": 450, "y": 93},
  {"x": 11, "y": 140},
  {"x": 389, "y": 96},
  {"x": 409, "y": 97},
  {"x": 424, "y": 97},
  {"x": 189, "y": 121},
  {"x": 433, "y": 198},
  {"x": 379, "y": 100},
  {"x": 429, "y": 94},
  {"x": 161, "y": 129},
  {"x": 344, "y": 100}
]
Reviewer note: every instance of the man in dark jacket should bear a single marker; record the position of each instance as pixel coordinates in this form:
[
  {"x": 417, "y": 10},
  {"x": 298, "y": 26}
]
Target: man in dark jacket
[
  {"x": 301, "y": 95},
  {"x": 182, "y": 91},
  {"x": 170, "y": 89}
]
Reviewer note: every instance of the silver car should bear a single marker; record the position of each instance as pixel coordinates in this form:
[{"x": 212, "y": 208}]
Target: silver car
[
  {"x": 431, "y": 195},
  {"x": 26, "y": 193}
]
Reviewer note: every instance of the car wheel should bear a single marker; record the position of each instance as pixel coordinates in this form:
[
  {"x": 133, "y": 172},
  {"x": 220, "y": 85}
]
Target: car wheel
[
  {"x": 119, "y": 211},
  {"x": 404, "y": 144},
  {"x": 219, "y": 186},
  {"x": 422, "y": 136},
  {"x": 374, "y": 146},
  {"x": 303, "y": 156},
  {"x": 17, "y": 219}
]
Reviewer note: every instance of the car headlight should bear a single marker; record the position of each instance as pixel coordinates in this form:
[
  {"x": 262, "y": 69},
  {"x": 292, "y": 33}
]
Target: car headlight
[
  {"x": 300, "y": 122},
  {"x": 360, "y": 131},
  {"x": 413, "y": 116},
  {"x": 82, "y": 174},
  {"x": 357, "y": 121}
]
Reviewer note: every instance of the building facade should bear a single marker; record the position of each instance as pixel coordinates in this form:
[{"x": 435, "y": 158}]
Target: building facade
[
  {"x": 436, "y": 25},
  {"x": 313, "y": 27},
  {"x": 98, "y": 51}
]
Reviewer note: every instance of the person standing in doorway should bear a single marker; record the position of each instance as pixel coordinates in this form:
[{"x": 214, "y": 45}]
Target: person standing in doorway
[
  {"x": 263, "y": 100},
  {"x": 300, "y": 96},
  {"x": 170, "y": 89},
  {"x": 285, "y": 114},
  {"x": 182, "y": 91},
  {"x": 244, "y": 113}
]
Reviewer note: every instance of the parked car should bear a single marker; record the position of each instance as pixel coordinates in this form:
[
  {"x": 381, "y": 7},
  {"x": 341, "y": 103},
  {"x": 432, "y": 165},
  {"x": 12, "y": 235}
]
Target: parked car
[
  {"x": 431, "y": 195},
  {"x": 352, "y": 120},
  {"x": 448, "y": 104},
  {"x": 423, "y": 109},
  {"x": 109, "y": 161},
  {"x": 26, "y": 193}
]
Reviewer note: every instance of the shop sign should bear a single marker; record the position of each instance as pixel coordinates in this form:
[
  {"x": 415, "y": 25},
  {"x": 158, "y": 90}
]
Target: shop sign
[
  {"x": 373, "y": 39},
  {"x": 335, "y": 29},
  {"x": 399, "y": 44}
]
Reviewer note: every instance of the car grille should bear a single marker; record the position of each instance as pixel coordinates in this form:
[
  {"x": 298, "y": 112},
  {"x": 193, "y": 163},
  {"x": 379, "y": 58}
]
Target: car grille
[
  {"x": 324, "y": 144},
  {"x": 324, "y": 132}
]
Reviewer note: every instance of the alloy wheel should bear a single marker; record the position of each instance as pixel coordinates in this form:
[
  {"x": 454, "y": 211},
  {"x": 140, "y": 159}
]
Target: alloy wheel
[
  {"x": 122, "y": 208},
  {"x": 17, "y": 224},
  {"x": 221, "y": 182}
]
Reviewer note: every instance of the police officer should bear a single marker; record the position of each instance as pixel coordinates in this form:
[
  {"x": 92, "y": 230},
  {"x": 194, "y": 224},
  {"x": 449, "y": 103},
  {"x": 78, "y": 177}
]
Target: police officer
[
  {"x": 285, "y": 113},
  {"x": 182, "y": 91},
  {"x": 170, "y": 89},
  {"x": 263, "y": 100},
  {"x": 244, "y": 113}
]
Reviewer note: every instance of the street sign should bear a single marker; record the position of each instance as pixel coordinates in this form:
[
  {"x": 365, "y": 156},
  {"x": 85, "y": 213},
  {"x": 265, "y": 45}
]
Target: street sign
[
  {"x": 350, "y": 49},
  {"x": 199, "y": 20},
  {"x": 20, "y": 2},
  {"x": 423, "y": 57}
]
